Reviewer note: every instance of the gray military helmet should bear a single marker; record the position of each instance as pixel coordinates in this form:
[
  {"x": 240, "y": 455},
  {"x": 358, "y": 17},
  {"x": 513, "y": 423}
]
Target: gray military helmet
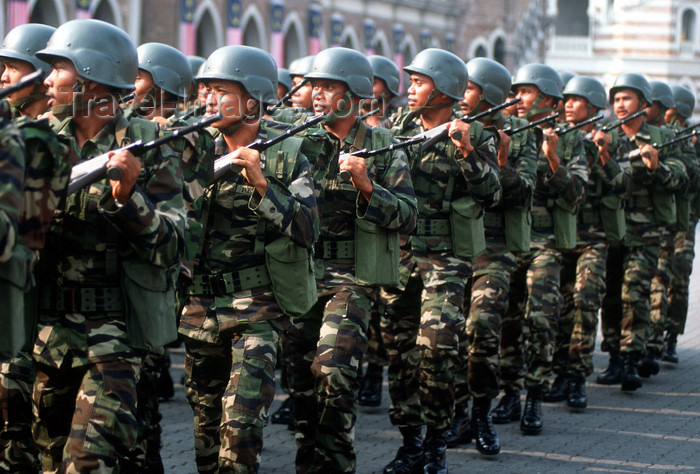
[
  {"x": 170, "y": 69},
  {"x": 24, "y": 41},
  {"x": 100, "y": 52},
  {"x": 195, "y": 63},
  {"x": 589, "y": 88},
  {"x": 684, "y": 99},
  {"x": 565, "y": 77},
  {"x": 662, "y": 93},
  {"x": 448, "y": 72},
  {"x": 344, "y": 65},
  {"x": 284, "y": 78},
  {"x": 251, "y": 67},
  {"x": 301, "y": 66},
  {"x": 386, "y": 70},
  {"x": 493, "y": 78},
  {"x": 546, "y": 79},
  {"x": 634, "y": 81}
]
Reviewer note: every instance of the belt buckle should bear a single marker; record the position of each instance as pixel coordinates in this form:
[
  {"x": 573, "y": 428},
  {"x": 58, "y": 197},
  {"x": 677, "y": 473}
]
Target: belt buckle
[{"x": 217, "y": 284}]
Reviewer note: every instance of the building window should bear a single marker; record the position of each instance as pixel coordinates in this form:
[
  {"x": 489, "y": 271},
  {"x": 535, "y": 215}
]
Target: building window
[
  {"x": 688, "y": 26},
  {"x": 292, "y": 44},
  {"x": 251, "y": 34},
  {"x": 572, "y": 18},
  {"x": 45, "y": 12},
  {"x": 104, "y": 12},
  {"x": 206, "y": 35},
  {"x": 480, "y": 52},
  {"x": 499, "y": 50}
]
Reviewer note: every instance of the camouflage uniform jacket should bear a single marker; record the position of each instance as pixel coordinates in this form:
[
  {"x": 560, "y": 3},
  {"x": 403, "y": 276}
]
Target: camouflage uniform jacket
[
  {"x": 392, "y": 205},
  {"x": 670, "y": 176},
  {"x": 240, "y": 222},
  {"x": 566, "y": 187},
  {"x": 92, "y": 235},
  {"x": 291, "y": 115},
  {"x": 442, "y": 175}
]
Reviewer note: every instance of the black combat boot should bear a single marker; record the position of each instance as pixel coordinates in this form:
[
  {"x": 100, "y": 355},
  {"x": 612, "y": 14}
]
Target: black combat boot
[
  {"x": 531, "y": 423},
  {"x": 559, "y": 390},
  {"x": 577, "y": 393},
  {"x": 508, "y": 408},
  {"x": 435, "y": 448},
  {"x": 371, "y": 391},
  {"x": 648, "y": 366},
  {"x": 285, "y": 413},
  {"x": 612, "y": 375},
  {"x": 630, "y": 379},
  {"x": 485, "y": 436},
  {"x": 670, "y": 344},
  {"x": 409, "y": 459},
  {"x": 459, "y": 433}
]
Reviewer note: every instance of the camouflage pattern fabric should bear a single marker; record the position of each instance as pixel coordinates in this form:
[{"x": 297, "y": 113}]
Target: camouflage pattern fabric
[
  {"x": 682, "y": 265},
  {"x": 232, "y": 338},
  {"x": 660, "y": 286},
  {"x": 86, "y": 362},
  {"x": 326, "y": 345}
]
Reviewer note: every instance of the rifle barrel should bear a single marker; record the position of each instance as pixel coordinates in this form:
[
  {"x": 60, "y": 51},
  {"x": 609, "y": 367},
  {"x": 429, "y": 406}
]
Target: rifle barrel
[
  {"x": 27, "y": 80},
  {"x": 513, "y": 131}
]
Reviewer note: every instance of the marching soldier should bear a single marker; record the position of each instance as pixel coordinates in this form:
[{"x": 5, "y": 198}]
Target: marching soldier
[
  {"x": 387, "y": 79},
  {"x": 454, "y": 180},
  {"x": 535, "y": 286},
  {"x": 656, "y": 175},
  {"x": 258, "y": 225},
  {"x": 600, "y": 220},
  {"x": 363, "y": 204},
  {"x": 105, "y": 290},
  {"x": 284, "y": 84},
  {"x": 507, "y": 232}
]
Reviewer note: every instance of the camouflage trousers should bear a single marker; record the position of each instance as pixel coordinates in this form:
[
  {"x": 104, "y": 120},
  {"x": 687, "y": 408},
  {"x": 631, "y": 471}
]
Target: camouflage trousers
[
  {"x": 681, "y": 268},
  {"x": 230, "y": 385},
  {"x": 488, "y": 306},
  {"x": 421, "y": 334},
  {"x": 85, "y": 417},
  {"x": 148, "y": 410},
  {"x": 326, "y": 347},
  {"x": 625, "y": 315},
  {"x": 660, "y": 288},
  {"x": 535, "y": 303},
  {"x": 18, "y": 453},
  {"x": 582, "y": 288},
  {"x": 376, "y": 352}
]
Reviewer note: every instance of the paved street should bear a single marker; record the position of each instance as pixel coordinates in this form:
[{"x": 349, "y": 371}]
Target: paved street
[{"x": 655, "y": 429}]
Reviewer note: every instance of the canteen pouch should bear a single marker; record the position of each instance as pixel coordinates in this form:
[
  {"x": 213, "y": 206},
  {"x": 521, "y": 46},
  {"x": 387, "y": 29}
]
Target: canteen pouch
[
  {"x": 612, "y": 217},
  {"x": 664, "y": 207},
  {"x": 564, "y": 222},
  {"x": 376, "y": 254},
  {"x": 149, "y": 299},
  {"x": 291, "y": 272},
  {"x": 467, "y": 224},
  {"x": 518, "y": 223}
]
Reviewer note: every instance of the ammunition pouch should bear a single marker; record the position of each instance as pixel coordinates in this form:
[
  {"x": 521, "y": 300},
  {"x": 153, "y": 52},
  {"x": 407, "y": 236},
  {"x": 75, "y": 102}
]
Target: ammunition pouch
[
  {"x": 376, "y": 254},
  {"x": 290, "y": 270},
  {"x": 564, "y": 226},
  {"x": 518, "y": 229},
  {"x": 467, "y": 225},
  {"x": 612, "y": 218},
  {"x": 664, "y": 207}
]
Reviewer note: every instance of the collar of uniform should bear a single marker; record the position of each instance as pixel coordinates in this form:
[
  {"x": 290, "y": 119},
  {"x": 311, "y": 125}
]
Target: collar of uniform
[
  {"x": 104, "y": 141},
  {"x": 643, "y": 133}
]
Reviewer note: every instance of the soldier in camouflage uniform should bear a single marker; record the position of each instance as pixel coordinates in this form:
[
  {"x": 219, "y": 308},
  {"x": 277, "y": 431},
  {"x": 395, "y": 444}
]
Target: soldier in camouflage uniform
[
  {"x": 362, "y": 203},
  {"x": 507, "y": 234},
  {"x": 454, "y": 180},
  {"x": 235, "y": 312},
  {"x": 105, "y": 289},
  {"x": 684, "y": 247},
  {"x": 385, "y": 88},
  {"x": 47, "y": 170},
  {"x": 301, "y": 106},
  {"x": 600, "y": 220},
  {"x": 535, "y": 292},
  {"x": 656, "y": 175}
]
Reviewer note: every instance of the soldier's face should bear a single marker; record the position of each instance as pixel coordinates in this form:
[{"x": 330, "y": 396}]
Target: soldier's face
[
  {"x": 329, "y": 96},
  {"x": 513, "y": 109},
  {"x": 302, "y": 97},
  {"x": 653, "y": 111},
  {"x": 528, "y": 96},
  {"x": 60, "y": 83},
  {"x": 472, "y": 96},
  {"x": 143, "y": 83},
  {"x": 231, "y": 99},
  {"x": 379, "y": 88},
  {"x": 14, "y": 71},
  {"x": 575, "y": 108},
  {"x": 419, "y": 90},
  {"x": 625, "y": 103},
  {"x": 281, "y": 91},
  {"x": 669, "y": 115}
]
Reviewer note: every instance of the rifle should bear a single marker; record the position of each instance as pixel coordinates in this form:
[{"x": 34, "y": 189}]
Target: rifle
[
  {"x": 513, "y": 131},
  {"x": 564, "y": 131},
  {"x": 199, "y": 110},
  {"x": 290, "y": 93},
  {"x": 687, "y": 129},
  {"x": 127, "y": 98},
  {"x": 427, "y": 138},
  {"x": 222, "y": 165},
  {"x": 90, "y": 171},
  {"x": 370, "y": 113},
  {"x": 661, "y": 146},
  {"x": 27, "y": 80},
  {"x": 612, "y": 126}
]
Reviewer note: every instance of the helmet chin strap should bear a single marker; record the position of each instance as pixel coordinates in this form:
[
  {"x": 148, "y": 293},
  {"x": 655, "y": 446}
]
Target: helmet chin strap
[
  {"x": 429, "y": 105},
  {"x": 24, "y": 102},
  {"x": 536, "y": 110}
]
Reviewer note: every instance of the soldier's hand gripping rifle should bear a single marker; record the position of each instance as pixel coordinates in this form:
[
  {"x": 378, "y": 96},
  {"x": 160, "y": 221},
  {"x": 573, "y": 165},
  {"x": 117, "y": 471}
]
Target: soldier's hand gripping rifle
[
  {"x": 614, "y": 125},
  {"x": 548, "y": 118},
  {"x": 687, "y": 129},
  {"x": 661, "y": 146},
  {"x": 95, "y": 168},
  {"x": 27, "y": 80},
  {"x": 223, "y": 166},
  {"x": 563, "y": 131}
]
